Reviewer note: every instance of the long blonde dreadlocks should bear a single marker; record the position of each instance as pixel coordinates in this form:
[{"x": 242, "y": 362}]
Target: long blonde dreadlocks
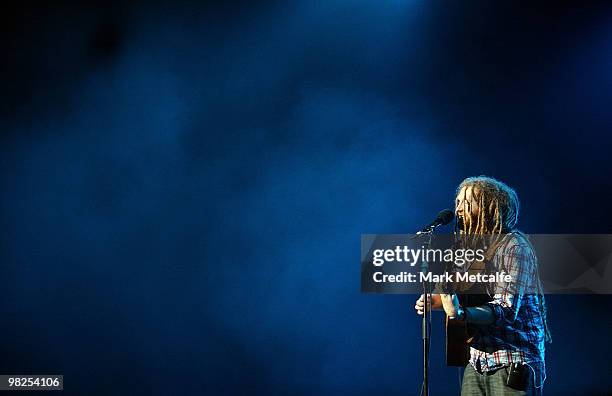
[{"x": 498, "y": 203}]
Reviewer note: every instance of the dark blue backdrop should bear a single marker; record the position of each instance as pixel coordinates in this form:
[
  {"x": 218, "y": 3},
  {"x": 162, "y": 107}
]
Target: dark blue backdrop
[{"x": 184, "y": 187}]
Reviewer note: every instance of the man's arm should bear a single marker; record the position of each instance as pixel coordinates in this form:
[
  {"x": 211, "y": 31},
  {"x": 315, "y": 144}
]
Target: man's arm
[
  {"x": 519, "y": 263},
  {"x": 481, "y": 315}
]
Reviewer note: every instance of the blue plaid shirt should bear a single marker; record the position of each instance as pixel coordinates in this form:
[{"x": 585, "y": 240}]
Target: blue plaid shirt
[{"x": 518, "y": 333}]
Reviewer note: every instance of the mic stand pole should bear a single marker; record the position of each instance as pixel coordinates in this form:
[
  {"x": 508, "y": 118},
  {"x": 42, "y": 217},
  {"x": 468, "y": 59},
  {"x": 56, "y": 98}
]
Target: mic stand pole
[{"x": 426, "y": 313}]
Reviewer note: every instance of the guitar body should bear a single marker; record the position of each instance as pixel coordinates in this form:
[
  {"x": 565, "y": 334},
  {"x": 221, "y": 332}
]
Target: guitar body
[
  {"x": 458, "y": 333},
  {"x": 457, "y": 350}
]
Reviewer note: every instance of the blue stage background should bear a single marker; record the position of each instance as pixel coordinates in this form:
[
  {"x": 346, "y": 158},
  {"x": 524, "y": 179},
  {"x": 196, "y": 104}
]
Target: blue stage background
[{"x": 184, "y": 186}]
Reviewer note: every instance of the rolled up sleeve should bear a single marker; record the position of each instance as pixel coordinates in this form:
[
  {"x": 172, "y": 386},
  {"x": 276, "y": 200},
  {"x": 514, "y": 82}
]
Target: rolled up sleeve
[{"x": 517, "y": 261}]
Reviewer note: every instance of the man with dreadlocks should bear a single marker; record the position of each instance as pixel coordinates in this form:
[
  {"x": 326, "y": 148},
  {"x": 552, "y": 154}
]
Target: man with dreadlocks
[{"x": 506, "y": 354}]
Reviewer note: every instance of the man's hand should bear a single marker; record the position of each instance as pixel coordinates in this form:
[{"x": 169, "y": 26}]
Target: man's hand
[
  {"x": 434, "y": 303},
  {"x": 450, "y": 303}
]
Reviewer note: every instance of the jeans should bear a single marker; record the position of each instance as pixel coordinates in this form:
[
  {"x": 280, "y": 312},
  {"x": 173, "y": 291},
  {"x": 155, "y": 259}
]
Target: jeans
[{"x": 492, "y": 384}]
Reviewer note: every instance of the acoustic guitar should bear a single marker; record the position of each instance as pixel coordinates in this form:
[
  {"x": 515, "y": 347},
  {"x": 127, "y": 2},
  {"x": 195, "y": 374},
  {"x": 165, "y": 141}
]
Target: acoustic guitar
[{"x": 458, "y": 333}]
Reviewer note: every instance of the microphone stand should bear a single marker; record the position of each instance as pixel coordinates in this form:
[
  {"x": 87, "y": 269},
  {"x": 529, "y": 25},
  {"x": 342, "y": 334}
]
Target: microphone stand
[{"x": 428, "y": 232}]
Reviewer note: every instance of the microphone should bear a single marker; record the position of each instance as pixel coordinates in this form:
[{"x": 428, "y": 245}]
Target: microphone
[{"x": 444, "y": 217}]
